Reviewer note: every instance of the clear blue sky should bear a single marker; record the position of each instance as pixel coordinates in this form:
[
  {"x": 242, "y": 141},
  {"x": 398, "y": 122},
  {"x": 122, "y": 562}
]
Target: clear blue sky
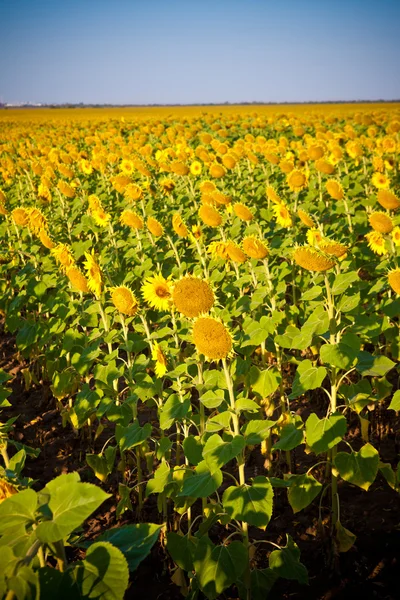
[{"x": 186, "y": 51}]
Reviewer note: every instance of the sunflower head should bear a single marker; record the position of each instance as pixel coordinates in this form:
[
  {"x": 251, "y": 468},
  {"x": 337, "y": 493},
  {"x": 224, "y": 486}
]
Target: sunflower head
[
  {"x": 388, "y": 200},
  {"x": 272, "y": 195},
  {"x": 305, "y": 218},
  {"x": 334, "y": 189},
  {"x": 179, "y": 226},
  {"x": 394, "y": 280},
  {"x": 192, "y": 296},
  {"x": 296, "y": 180},
  {"x": 218, "y": 250},
  {"x": 210, "y": 216},
  {"x": 282, "y": 215},
  {"x": 131, "y": 219},
  {"x": 20, "y": 216},
  {"x": 311, "y": 259},
  {"x": 376, "y": 242},
  {"x": 94, "y": 274},
  {"x": 254, "y": 248},
  {"x": 235, "y": 253},
  {"x": 157, "y": 292},
  {"x": 63, "y": 255},
  {"x": 124, "y": 300},
  {"x": 77, "y": 279},
  {"x": 380, "y": 222},
  {"x": 333, "y": 248},
  {"x": 242, "y": 211},
  {"x": 217, "y": 171},
  {"x": 7, "y": 489},
  {"x": 380, "y": 181},
  {"x": 161, "y": 362},
  {"x": 133, "y": 192},
  {"x": 211, "y": 338},
  {"x": 45, "y": 239},
  {"x": 66, "y": 189},
  {"x": 195, "y": 168},
  {"x": 154, "y": 227}
]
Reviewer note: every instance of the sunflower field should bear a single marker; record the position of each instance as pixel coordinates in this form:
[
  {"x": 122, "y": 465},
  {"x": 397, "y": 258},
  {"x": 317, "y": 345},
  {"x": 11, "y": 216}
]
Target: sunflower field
[{"x": 200, "y": 348}]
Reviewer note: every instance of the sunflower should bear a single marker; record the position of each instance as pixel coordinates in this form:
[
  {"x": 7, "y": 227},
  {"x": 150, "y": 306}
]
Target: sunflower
[
  {"x": 192, "y": 296},
  {"x": 242, "y": 211},
  {"x": 77, "y": 279},
  {"x": 380, "y": 222},
  {"x": 333, "y": 248},
  {"x": 212, "y": 338},
  {"x": 157, "y": 292},
  {"x": 161, "y": 362},
  {"x": 229, "y": 161},
  {"x": 218, "y": 250},
  {"x": 314, "y": 237},
  {"x": 254, "y": 248},
  {"x": 63, "y": 255},
  {"x": 94, "y": 274},
  {"x": 36, "y": 220},
  {"x": 100, "y": 217},
  {"x": 45, "y": 239},
  {"x": 388, "y": 200},
  {"x": 124, "y": 300},
  {"x": 324, "y": 166},
  {"x": 20, "y": 216},
  {"x": 133, "y": 192},
  {"x": 7, "y": 489},
  {"x": 93, "y": 202},
  {"x": 86, "y": 167},
  {"x": 296, "y": 180},
  {"x": 394, "y": 280},
  {"x": 126, "y": 166},
  {"x": 220, "y": 198},
  {"x": 282, "y": 215},
  {"x": 167, "y": 185},
  {"x": 179, "y": 226},
  {"x": 235, "y": 253},
  {"x": 380, "y": 181},
  {"x": 179, "y": 168},
  {"x": 396, "y": 236},
  {"x": 217, "y": 171},
  {"x": 305, "y": 218},
  {"x": 196, "y": 232},
  {"x": 206, "y": 187},
  {"x": 272, "y": 195},
  {"x": 334, "y": 189},
  {"x": 119, "y": 182},
  {"x": 66, "y": 189},
  {"x": 131, "y": 219},
  {"x": 44, "y": 192},
  {"x": 311, "y": 259},
  {"x": 376, "y": 242},
  {"x": 154, "y": 227},
  {"x": 210, "y": 216},
  {"x": 315, "y": 152},
  {"x": 195, "y": 168}
]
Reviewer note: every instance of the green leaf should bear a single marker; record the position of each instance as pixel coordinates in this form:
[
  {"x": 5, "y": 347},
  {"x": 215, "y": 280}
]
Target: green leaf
[
  {"x": 250, "y": 503},
  {"x": 311, "y": 293},
  {"x": 344, "y": 538},
  {"x": 173, "y": 410},
  {"x": 18, "y": 509},
  {"x": 162, "y": 476},
  {"x": 25, "y": 584},
  {"x": 377, "y": 366},
  {"x": 286, "y": 562},
  {"x": 302, "y": 491},
  {"x": 262, "y": 581},
  {"x": 323, "y": 434},
  {"x": 256, "y": 431},
  {"x": 255, "y": 334},
  {"x": 307, "y": 378},
  {"x": 218, "y": 567},
  {"x": 71, "y": 503},
  {"x": 318, "y": 322},
  {"x": 220, "y": 421},
  {"x": 218, "y": 452},
  {"x": 203, "y": 483},
  {"x": 131, "y": 436},
  {"x": 104, "y": 572},
  {"x": 134, "y": 541},
  {"x": 181, "y": 549},
  {"x": 246, "y": 405},
  {"x": 343, "y": 281},
  {"x": 338, "y": 355},
  {"x": 291, "y": 436},
  {"x": 395, "y": 402},
  {"x": 212, "y": 398},
  {"x": 359, "y": 468},
  {"x": 193, "y": 449},
  {"x": 264, "y": 382}
]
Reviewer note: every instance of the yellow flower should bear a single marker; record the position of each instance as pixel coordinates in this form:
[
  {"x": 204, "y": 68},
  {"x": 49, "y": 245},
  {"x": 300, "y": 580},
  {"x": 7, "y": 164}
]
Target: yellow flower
[
  {"x": 396, "y": 236},
  {"x": 157, "y": 292},
  {"x": 167, "y": 185},
  {"x": 154, "y": 227},
  {"x": 86, "y": 167},
  {"x": 179, "y": 168},
  {"x": 133, "y": 192},
  {"x": 394, "y": 280},
  {"x": 196, "y": 232},
  {"x": 63, "y": 255},
  {"x": 179, "y": 226},
  {"x": 388, "y": 200},
  {"x": 220, "y": 198},
  {"x": 315, "y": 152},
  {"x": 334, "y": 189},
  {"x": 36, "y": 220},
  {"x": 100, "y": 217},
  {"x": 296, "y": 180},
  {"x": 7, "y": 489},
  {"x": 380, "y": 222},
  {"x": 254, "y": 248},
  {"x": 206, "y": 187},
  {"x": 305, "y": 218},
  {"x": 376, "y": 242},
  {"x": 235, "y": 253},
  {"x": 211, "y": 338},
  {"x": 192, "y": 296},
  {"x": 314, "y": 237},
  {"x": 217, "y": 171},
  {"x": 195, "y": 168},
  {"x": 324, "y": 166},
  {"x": 94, "y": 202},
  {"x": 380, "y": 181},
  {"x": 131, "y": 219},
  {"x": 311, "y": 259},
  {"x": 282, "y": 215},
  {"x": 124, "y": 300},
  {"x": 126, "y": 167},
  {"x": 218, "y": 250},
  {"x": 77, "y": 279},
  {"x": 210, "y": 216},
  {"x": 44, "y": 192},
  {"x": 94, "y": 274},
  {"x": 20, "y": 216},
  {"x": 333, "y": 248},
  {"x": 242, "y": 211},
  {"x": 161, "y": 362},
  {"x": 272, "y": 195},
  {"x": 66, "y": 189},
  {"x": 45, "y": 239}
]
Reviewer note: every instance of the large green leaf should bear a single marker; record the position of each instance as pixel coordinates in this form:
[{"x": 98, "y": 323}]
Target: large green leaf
[
  {"x": 339, "y": 355},
  {"x": 71, "y": 502},
  {"x": 291, "y": 435},
  {"x": 395, "y": 402},
  {"x": 286, "y": 562},
  {"x": 218, "y": 567},
  {"x": 264, "y": 382},
  {"x": 162, "y": 476},
  {"x": 307, "y": 378},
  {"x": 173, "y": 410},
  {"x": 343, "y": 281},
  {"x": 377, "y": 366},
  {"x": 104, "y": 573},
  {"x": 203, "y": 483},
  {"x": 256, "y": 431},
  {"x": 131, "y": 436},
  {"x": 181, "y": 549},
  {"x": 359, "y": 468},
  {"x": 250, "y": 503},
  {"x": 323, "y": 434},
  {"x": 18, "y": 509},
  {"x": 262, "y": 581},
  {"x": 218, "y": 452},
  {"x": 302, "y": 491},
  {"x": 134, "y": 541}
]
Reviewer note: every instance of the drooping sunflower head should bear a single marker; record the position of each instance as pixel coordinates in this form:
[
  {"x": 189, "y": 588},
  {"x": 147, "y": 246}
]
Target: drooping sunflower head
[
  {"x": 154, "y": 227},
  {"x": 324, "y": 166},
  {"x": 217, "y": 171},
  {"x": 20, "y": 216},
  {"x": 388, "y": 200},
  {"x": 333, "y": 248},
  {"x": 296, "y": 180},
  {"x": 94, "y": 274},
  {"x": 376, "y": 242},
  {"x": 210, "y": 216},
  {"x": 161, "y": 361},
  {"x": 63, "y": 255},
  {"x": 220, "y": 198},
  {"x": 235, "y": 253},
  {"x": 380, "y": 222},
  {"x": 157, "y": 292},
  {"x": 45, "y": 239},
  {"x": 192, "y": 296},
  {"x": 242, "y": 211},
  {"x": 131, "y": 219},
  {"x": 272, "y": 195},
  {"x": 314, "y": 237},
  {"x": 334, "y": 189},
  {"x": 311, "y": 259},
  {"x": 124, "y": 300},
  {"x": 211, "y": 338},
  {"x": 394, "y": 280},
  {"x": 133, "y": 192},
  {"x": 179, "y": 226},
  {"x": 282, "y": 215},
  {"x": 66, "y": 189},
  {"x": 254, "y": 248},
  {"x": 77, "y": 279},
  {"x": 207, "y": 187},
  {"x": 305, "y": 218}
]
